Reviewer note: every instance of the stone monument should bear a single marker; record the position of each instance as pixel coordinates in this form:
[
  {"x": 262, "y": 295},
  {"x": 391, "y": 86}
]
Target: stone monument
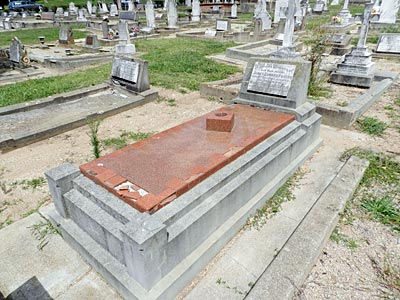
[
  {"x": 388, "y": 43},
  {"x": 72, "y": 9},
  {"x": 89, "y": 7},
  {"x": 262, "y": 14},
  {"x": 279, "y": 4},
  {"x": 319, "y": 7},
  {"x": 357, "y": 68},
  {"x": 66, "y": 36},
  {"x": 344, "y": 13},
  {"x": 172, "y": 15},
  {"x": 150, "y": 17},
  {"x": 335, "y": 2},
  {"x": 17, "y": 52},
  {"x": 104, "y": 7},
  {"x": 388, "y": 11},
  {"x": 234, "y": 11},
  {"x": 131, "y": 73},
  {"x": 124, "y": 47},
  {"x": 113, "y": 10},
  {"x": 223, "y": 25},
  {"x": 196, "y": 11}
]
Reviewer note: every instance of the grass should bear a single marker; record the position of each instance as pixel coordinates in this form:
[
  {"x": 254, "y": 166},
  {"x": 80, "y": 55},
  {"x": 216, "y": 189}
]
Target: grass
[
  {"x": 383, "y": 210},
  {"x": 63, "y": 3},
  {"x": 388, "y": 271},
  {"x": 372, "y": 126},
  {"x": 30, "y": 36},
  {"x": 338, "y": 237},
  {"x": 40, "y": 88},
  {"x": 42, "y": 232},
  {"x": 31, "y": 183},
  {"x": 173, "y": 63},
  {"x": 166, "y": 100},
  {"x": 94, "y": 137},
  {"x": 180, "y": 64},
  {"x": 274, "y": 205},
  {"x": 34, "y": 210},
  {"x": 125, "y": 138}
]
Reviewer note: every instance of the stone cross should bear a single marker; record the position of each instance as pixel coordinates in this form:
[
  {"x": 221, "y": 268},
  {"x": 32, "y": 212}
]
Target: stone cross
[
  {"x": 289, "y": 26},
  {"x": 364, "y": 27}
]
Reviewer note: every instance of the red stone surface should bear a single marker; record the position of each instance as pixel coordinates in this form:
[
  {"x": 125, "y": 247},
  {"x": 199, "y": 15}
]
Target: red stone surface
[
  {"x": 168, "y": 164},
  {"x": 220, "y": 121}
]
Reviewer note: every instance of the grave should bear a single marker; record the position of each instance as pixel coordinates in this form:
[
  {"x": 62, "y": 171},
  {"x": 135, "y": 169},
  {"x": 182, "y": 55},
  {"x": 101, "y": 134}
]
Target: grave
[
  {"x": 113, "y": 10},
  {"x": 280, "y": 5},
  {"x": 150, "y": 17},
  {"x": 18, "y": 55},
  {"x": 196, "y": 11},
  {"x": 388, "y": 12},
  {"x": 318, "y": 7},
  {"x": 345, "y": 14},
  {"x": 234, "y": 11},
  {"x": 127, "y": 15},
  {"x": 150, "y": 216},
  {"x": 49, "y": 16},
  {"x": 124, "y": 47},
  {"x": 388, "y": 43},
  {"x": 340, "y": 43},
  {"x": 66, "y": 36},
  {"x": 223, "y": 25},
  {"x": 172, "y": 15},
  {"x": 357, "y": 68},
  {"x": 91, "y": 42},
  {"x": 72, "y": 9}
]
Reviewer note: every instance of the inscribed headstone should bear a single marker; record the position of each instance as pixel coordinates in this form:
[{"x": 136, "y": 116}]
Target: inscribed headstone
[{"x": 389, "y": 43}]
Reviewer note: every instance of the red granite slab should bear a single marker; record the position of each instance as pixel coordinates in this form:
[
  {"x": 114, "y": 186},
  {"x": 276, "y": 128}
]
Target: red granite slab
[{"x": 166, "y": 165}]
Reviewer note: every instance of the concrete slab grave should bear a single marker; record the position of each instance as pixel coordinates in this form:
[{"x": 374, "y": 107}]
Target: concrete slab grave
[
  {"x": 388, "y": 43},
  {"x": 150, "y": 216}
]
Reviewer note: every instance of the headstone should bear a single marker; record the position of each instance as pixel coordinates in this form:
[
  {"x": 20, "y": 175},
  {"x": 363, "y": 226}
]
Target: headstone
[
  {"x": 81, "y": 15},
  {"x": 389, "y": 43},
  {"x": 325, "y": 5},
  {"x": 127, "y": 15},
  {"x": 319, "y": 7},
  {"x": 104, "y": 7},
  {"x": 210, "y": 33},
  {"x": 123, "y": 30},
  {"x": 335, "y": 2},
  {"x": 188, "y": 3},
  {"x": 357, "y": 68},
  {"x": 7, "y": 23},
  {"x": 131, "y": 6},
  {"x": 60, "y": 11},
  {"x": 16, "y": 50},
  {"x": 48, "y": 16},
  {"x": 72, "y": 8},
  {"x": 279, "y": 4},
  {"x": 271, "y": 78},
  {"x": 124, "y": 47},
  {"x": 89, "y": 7},
  {"x": 91, "y": 41},
  {"x": 150, "y": 17},
  {"x": 172, "y": 14},
  {"x": 65, "y": 36},
  {"x": 388, "y": 11},
  {"x": 345, "y": 14},
  {"x": 66, "y": 14},
  {"x": 104, "y": 29},
  {"x": 113, "y": 10},
  {"x": 223, "y": 25},
  {"x": 196, "y": 11},
  {"x": 24, "y": 15},
  {"x": 234, "y": 11},
  {"x": 131, "y": 73},
  {"x": 159, "y": 16}
]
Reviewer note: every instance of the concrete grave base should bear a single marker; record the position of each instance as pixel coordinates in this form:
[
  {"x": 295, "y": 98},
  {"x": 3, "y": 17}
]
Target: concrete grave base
[
  {"x": 186, "y": 234},
  {"x": 359, "y": 80}
]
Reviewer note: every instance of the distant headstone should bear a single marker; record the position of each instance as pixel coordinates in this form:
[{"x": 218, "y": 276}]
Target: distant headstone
[
  {"x": 81, "y": 15},
  {"x": 223, "y": 25},
  {"x": 60, "y": 11},
  {"x": 335, "y": 2},
  {"x": 388, "y": 11},
  {"x": 131, "y": 73},
  {"x": 150, "y": 17},
  {"x": 123, "y": 30},
  {"x": 72, "y": 9},
  {"x": 389, "y": 43},
  {"x": 172, "y": 14},
  {"x": 15, "y": 50},
  {"x": 113, "y": 10},
  {"x": 104, "y": 29},
  {"x": 210, "y": 33},
  {"x": 104, "y": 7},
  {"x": 159, "y": 16},
  {"x": 65, "y": 36},
  {"x": 131, "y": 6},
  {"x": 48, "y": 16},
  {"x": 66, "y": 14},
  {"x": 196, "y": 11},
  {"x": 271, "y": 78},
  {"x": 89, "y": 7},
  {"x": 7, "y": 23},
  {"x": 279, "y": 5},
  {"x": 127, "y": 15},
  {"x": 234, "y": 11},
  {"x": 319, "y": 7},
  {"x": 91, "y": 41}
]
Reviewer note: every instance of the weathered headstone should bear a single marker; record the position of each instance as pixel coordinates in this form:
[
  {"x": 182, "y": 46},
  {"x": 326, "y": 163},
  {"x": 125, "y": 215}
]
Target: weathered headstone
[
  {"x": 81, "y": 15},
  {"x": 389, "y": 43},
  {"x": 210, "y": 33},
  {"x": 48, "y": 15},
  {"x": 104, "y": 7},
  {"x": 65, "y": 36},
  {"x": 91, "y": 42},
  {"x": 60, "y": 11},
  {"x": 279, "y": 5},
  {"x": 345, "y": 14},
  {"x": 196, "y": 11},
  {"x": 131, "y": 6},
  {"x": 16, "y": 51},
  {"x": 72, "y": 9},
  {"x": 188, "y": 3},
  {"x": 335, "y": 2},
  {"x": 340, "y": 43},
  {"x": 113, "y": 10},
  {"x": 388, "y": 11},
  {"x": 124, "y": 47},
  {"x": 172, "y": 14},
  {"x": 150, "y": 17},
  {"x": 123, "y": 30},
  {"x": 7, "y": 23},
  {"x": 104, "y": 29},
  {"x": 234, "y": 11},
  {"x": 319, "y": 7},
  {"x": 357, "y": 68},
  {"x": 131, "y": 73},
  {"x": 223, "y": 25},
  {"x": 127, "y": 15}
]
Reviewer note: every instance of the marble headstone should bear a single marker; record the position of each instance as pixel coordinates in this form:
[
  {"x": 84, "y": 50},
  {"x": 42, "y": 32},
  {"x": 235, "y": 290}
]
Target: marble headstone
[
  {"x": 113, "y": 10},
  {"x": 223, "y": 25},
  {"x": 196, "y": 11},
  {"x": 15, "y": 50},
  {"x": 89, "y": 7},
  {"x": 172, "y": 14},
  {"x": 389, "y": 43},
  {"x": 150, "y": 17},
  {"x": 72, "y": 9},
  {"x": 234, "y": 11},
  {"x": 131, "y": 73},
  {"x": 66, "y": 36},
  {"x": 388, "y": 11}
]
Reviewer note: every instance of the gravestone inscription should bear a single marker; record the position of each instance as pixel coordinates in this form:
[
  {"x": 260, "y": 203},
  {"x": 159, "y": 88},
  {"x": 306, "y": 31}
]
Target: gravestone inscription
[
  {"x": 389, "y": 43},
  {"x": 125, "y": 69},
  {"x": 271, "y": 78},
  {"x": 222, "y": 25}
]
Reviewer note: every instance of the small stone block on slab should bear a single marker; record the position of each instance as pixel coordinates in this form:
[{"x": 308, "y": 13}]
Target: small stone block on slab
[{"x": 220, "y": 121}]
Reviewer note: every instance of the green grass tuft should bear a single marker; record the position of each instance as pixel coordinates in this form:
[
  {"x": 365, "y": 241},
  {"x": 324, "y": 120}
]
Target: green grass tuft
[
  {"x": 382, "y": 210},
  {"x": 372, "y": 126}
]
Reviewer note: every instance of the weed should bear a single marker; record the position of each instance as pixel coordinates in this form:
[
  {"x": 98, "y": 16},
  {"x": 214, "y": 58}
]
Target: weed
[
  {"x": 235, "y": 289},
  {"x": 30, "y": 184},
  {"x": 117, "y": 142},
  {"x": 7, "y": 222},
  {"x": 212, "y": 99},
  {"x": 125, "y": 137},
  {"x": 342, "y": 103},
  {"x": 338, "y": 237},
  {"x": 42, "y": 232},
  {"x": 94, "y": 137},
  {"x": 274, "y": 205},
  {"x": 388, "y": 272},
  {"x": 388, "y": 107},
  {"x": 382, "y": 210},
  {"x": 136, "y": 136},
  {"x": 166, "y": 100},
  {"x": 372, "y": 126},
  {"x": 34, "y": 210}
]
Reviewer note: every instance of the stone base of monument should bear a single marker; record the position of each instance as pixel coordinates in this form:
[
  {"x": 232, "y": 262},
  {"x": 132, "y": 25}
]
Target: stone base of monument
[
  {"x": 354, "y": 79},
  {"x": 154, "y": 256}
]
